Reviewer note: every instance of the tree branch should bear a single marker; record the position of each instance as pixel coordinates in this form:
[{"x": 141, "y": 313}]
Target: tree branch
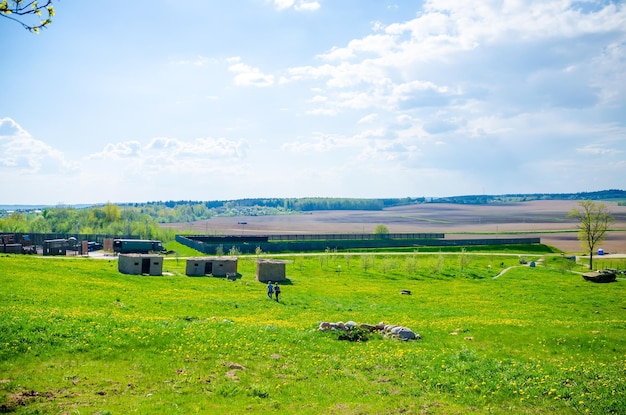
[{"x": 16, "y": 7}]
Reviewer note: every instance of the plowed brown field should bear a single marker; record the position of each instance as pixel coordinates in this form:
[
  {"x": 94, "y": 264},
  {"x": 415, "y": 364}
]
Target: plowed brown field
[{"x": 544, "y": 219}]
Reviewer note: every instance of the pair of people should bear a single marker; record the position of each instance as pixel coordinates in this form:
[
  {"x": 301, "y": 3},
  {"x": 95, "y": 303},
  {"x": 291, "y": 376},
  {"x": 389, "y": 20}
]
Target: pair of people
[{"x": 273, "y": 289}]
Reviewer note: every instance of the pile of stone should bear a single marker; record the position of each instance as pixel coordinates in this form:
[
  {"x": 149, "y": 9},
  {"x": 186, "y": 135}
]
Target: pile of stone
[{"x": 387, "y": 330}]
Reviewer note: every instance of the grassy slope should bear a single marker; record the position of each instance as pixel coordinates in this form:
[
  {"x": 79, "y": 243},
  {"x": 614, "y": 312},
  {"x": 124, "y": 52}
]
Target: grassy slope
[{"x": 78, "y": 337}]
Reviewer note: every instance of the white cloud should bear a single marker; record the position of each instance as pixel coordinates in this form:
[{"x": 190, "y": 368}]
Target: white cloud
[
  {"x": 441, "y": 125},
  {"x": 170, "y": 153},
  {"x": 9, "y": 128},
  {"x": 118, "y": 151},
  {"x": 246, "y": 75},
  {"x": 322, "y": 111},
  {"x": 299, "y": 73},
  {"x": 524, "y": 20},
  {"x": 389, "y": 151},
  {"x": 319, "y": 98},
  {"x": 375, "y": 45},
  {"x": 283, "y": 4},
  {"x": 308, "y": 6},
  {"x": 413, "y": 53},
  {"x": 321, "y": 143},
  {"x": 22, "y": 154},
  {"x": 469, "y": 87},
  {"x": 368, "y": 119},
  {"x": 196, "y": 61},
  {"x": 300, "y": 5},
  {"x": 596, "y": 150}
]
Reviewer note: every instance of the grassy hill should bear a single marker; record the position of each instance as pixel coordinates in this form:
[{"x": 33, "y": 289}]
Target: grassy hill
[{"x": 76, "y": 336}]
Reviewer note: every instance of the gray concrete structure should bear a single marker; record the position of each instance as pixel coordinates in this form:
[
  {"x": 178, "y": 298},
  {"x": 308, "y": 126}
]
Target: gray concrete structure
[
  {"x": 222, "y": 266},
  {"x": 271, "y": 270},
  {"x": 140, "y": 264}
]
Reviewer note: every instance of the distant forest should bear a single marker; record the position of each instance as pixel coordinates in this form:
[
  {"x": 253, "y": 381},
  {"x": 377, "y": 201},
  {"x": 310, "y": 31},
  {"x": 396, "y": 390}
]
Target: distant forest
[
  {"x": 185, "y": 211},
  {"x": 608, "y": 195},
  {"x": 143, "y": 219}
]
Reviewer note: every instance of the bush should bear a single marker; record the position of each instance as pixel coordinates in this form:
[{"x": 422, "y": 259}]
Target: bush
[{"x": 355, "y": 334}]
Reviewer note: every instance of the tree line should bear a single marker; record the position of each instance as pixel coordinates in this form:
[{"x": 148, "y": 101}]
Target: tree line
[
  {"x": 108, "y": 219},
  {"x": 143, "y": 219},
  {"x": 611, "y": 194},
  {"x": 283, "y": 204}
]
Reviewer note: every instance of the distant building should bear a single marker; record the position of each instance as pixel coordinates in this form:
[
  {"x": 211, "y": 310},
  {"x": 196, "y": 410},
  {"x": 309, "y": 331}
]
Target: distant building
[
  {"x": 221, "y": 266},
  {"x": 270, "y": 270},
  {"x": 140, "y": 264},
  {"x": 55, "y": 247},
  {"x": 11, "y": 249}
]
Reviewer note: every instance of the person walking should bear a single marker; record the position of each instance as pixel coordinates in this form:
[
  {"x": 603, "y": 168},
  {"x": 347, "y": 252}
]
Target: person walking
[
  {"x": 276, "y": 290},
  {"x": 270, "y": 290}
]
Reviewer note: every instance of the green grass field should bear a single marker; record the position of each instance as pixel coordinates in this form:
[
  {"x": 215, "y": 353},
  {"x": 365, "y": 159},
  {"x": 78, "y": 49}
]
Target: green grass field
[{"x": 78, "y": 337}]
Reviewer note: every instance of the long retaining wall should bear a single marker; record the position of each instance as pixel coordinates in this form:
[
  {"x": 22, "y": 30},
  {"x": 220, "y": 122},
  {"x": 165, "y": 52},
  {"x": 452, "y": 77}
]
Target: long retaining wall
[
  {"x": 306, "y": 246},
  {"x": 352, "y": 236}
]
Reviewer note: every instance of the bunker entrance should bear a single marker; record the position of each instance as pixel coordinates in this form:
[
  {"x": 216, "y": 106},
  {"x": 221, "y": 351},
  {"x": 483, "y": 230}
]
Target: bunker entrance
[
  {"x": 145, "y": 266},
  {"x": 208, "y": 268}
]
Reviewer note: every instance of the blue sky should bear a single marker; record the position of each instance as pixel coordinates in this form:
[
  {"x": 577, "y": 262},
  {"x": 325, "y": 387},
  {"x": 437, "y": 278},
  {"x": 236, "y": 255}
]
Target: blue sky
[{"x": 214, "y": 100}]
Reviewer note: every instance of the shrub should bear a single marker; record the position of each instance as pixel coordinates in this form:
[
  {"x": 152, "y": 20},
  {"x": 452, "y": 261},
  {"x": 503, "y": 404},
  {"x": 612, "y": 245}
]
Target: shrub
[{"x": 355, "y": 334}]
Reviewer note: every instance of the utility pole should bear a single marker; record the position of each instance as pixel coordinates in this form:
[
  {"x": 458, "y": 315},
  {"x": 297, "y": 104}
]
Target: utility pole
[{"x": 242, "y": 225}]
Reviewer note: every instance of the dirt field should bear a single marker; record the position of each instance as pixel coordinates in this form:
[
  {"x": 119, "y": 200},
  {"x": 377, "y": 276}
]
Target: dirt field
[{"x": 452, "y": 219}]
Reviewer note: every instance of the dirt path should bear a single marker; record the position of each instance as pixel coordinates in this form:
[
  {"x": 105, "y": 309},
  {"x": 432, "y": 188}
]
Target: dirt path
[{"x": 504, "y": 271}]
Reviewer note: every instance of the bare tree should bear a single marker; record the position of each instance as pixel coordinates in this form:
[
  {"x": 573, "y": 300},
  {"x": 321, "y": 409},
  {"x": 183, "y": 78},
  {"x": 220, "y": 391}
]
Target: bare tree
[
  {"x": 32, "y": 15},
  {"x": 594, "y": 220}
]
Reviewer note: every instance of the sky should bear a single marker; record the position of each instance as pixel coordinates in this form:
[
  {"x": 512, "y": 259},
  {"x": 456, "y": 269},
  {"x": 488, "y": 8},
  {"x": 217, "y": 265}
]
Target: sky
[{"x": 137, "y": 101}]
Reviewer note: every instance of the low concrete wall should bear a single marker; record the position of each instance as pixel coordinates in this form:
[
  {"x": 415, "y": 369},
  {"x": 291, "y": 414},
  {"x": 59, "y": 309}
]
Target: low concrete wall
[{"x": 307, "y": 246}]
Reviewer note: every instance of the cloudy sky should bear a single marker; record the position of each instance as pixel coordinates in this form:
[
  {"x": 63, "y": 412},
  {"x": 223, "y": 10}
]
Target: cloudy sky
[{"x": 210, "y": 100}]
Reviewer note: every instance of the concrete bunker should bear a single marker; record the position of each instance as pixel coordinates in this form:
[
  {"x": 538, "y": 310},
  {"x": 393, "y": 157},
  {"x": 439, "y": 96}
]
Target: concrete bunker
[
  {"x": 140, "y": 264},
  {"x": 222, "y": 266},
  {"x": 271, "y": 270}
]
